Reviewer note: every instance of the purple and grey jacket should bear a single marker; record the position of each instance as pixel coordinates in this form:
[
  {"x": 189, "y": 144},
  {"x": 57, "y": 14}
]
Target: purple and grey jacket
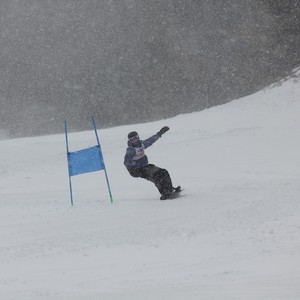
[{"x": 135, "y": 156}]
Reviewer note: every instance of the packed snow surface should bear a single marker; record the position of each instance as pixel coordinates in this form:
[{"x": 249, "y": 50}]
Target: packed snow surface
[{"x": 234, "y": 233}]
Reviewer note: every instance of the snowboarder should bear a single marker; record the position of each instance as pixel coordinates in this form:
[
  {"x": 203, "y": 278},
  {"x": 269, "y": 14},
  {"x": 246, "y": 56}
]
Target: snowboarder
[{"x": 137, "y": 164}]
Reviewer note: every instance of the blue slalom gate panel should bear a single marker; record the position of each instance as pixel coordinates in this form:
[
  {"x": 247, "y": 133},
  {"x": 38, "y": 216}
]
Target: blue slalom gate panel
[{"x": 85, "y": 161}]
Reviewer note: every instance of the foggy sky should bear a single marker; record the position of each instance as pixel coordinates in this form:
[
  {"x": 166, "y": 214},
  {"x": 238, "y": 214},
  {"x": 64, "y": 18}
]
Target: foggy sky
[{"x": 133, "y": 61}]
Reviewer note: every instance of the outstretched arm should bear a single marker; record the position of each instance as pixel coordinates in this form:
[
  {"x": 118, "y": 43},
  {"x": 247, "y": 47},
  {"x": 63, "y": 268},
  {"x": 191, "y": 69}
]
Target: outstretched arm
[{"x": 148, "y": 142}]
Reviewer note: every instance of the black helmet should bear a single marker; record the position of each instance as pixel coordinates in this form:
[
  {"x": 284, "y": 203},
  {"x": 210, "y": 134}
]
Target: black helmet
[{"x": 132, "y": 134}]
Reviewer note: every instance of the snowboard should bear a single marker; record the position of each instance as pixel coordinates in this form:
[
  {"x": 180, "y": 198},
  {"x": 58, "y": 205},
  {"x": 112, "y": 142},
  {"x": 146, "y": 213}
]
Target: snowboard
[{"x": 175, "y": 194}]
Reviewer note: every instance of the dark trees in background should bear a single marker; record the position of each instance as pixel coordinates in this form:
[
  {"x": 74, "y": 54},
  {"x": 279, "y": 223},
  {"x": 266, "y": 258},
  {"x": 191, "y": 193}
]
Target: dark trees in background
[{"x": 133, "y": 61}]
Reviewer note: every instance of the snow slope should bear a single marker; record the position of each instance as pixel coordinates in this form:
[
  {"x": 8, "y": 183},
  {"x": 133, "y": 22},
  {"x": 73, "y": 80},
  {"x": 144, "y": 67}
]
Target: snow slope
[{"x": 235, "y": 233}]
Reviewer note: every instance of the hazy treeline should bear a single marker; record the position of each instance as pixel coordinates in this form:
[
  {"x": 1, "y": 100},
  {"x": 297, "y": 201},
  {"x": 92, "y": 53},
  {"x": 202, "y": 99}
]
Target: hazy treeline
[{"x": 129, "y": 61}]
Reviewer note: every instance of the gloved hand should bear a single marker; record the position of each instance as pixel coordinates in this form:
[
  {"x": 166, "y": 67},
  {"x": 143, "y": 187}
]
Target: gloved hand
[{"x": 163, "y": 130}]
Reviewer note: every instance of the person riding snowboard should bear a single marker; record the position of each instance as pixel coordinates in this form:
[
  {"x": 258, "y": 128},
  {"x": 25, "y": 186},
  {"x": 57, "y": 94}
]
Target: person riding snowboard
[{"x": 136, "y": 162}]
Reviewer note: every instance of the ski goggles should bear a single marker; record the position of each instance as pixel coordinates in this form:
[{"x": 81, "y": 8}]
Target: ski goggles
[{"x": 134, "y": 139}]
